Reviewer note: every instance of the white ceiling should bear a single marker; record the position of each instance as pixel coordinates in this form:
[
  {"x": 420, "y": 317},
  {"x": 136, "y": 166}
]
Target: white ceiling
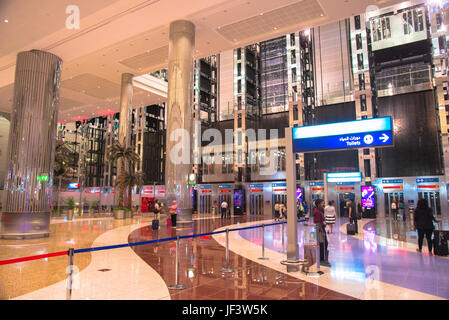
[{"x": 118, "y": 36}]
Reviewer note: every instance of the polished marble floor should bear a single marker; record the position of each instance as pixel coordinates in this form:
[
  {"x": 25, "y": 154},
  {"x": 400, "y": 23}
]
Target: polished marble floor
[{"x": 378, "y": 263}]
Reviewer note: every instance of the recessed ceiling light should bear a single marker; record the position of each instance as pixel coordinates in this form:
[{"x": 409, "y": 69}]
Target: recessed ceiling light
[
  {"x": 261, "y": 14},
  {"x": 322, "y": 15},
  {"x": 6, "y": 20}
]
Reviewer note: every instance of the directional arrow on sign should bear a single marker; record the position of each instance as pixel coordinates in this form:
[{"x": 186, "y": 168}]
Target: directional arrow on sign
[{"x": 384, "y": 138}]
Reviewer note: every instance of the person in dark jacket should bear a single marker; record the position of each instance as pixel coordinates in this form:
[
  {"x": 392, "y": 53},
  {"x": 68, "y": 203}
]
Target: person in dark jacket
[{"x": 424, "y": 224}]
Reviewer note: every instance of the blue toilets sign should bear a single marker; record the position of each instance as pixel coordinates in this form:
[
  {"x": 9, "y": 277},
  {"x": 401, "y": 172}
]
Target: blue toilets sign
[{"x": 367, "y": 133}]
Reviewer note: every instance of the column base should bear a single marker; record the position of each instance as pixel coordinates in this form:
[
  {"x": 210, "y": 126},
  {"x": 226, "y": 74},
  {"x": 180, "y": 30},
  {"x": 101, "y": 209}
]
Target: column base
[{"x": 24, "y": 225}]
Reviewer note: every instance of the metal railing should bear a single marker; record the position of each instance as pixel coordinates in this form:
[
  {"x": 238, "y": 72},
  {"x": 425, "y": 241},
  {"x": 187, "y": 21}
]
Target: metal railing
[{"x": 177, "y": 286}]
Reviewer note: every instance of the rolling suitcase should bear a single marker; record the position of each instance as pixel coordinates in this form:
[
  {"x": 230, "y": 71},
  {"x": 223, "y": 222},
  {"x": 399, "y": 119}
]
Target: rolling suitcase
[
  {"x": 440, "y": 241},
  {"x": 350, "y": 229},
  {"x": 155, "y": 224}
]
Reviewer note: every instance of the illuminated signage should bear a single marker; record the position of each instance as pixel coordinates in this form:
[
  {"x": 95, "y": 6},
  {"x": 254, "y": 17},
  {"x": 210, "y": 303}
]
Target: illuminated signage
[
  {"x": 43, "y": 177},
  {"x": 279, "y": 187},
  {"x": 368, "y": 196},
  {"x": 74, "y": 186},
  {"x": 205, "y": 189},
  {"x": 160, "y": 191},
  {"x": 256, "y": 187},
  {"x": 344, "y": 177},
  {"x": 226, "y": 188},
  {"x": 148, "y": 190},
  {"x": 376, "y": 132}
]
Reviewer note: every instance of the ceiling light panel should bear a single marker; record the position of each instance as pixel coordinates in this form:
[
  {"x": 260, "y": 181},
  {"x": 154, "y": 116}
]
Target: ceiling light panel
[
  {"x": 291, "y": 15},
  {"x": 147, "y": 59},
  {"x": 88, "y": 84}
]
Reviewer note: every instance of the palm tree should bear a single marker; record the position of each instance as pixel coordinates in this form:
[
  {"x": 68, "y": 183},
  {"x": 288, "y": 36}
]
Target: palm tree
[
  {"x": 60, "y": 169},
  {"x": 126, "y": 155},
  {"x": 133, "y": 179}
]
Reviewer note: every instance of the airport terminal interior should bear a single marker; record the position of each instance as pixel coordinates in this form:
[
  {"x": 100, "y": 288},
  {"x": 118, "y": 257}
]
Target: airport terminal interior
[{"x": 224, "y": 150}]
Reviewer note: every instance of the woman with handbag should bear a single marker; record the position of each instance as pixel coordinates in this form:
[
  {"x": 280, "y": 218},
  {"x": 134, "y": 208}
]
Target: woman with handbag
[
  {"x": 318, "y": 219},
  {"x": 173, "y": 209}
]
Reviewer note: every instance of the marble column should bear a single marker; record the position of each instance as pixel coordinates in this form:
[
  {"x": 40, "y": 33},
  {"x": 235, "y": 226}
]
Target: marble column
[
  {"x": 27, "y": 198},
  {"x": 292, "y": 222},
  {"x": 126, "y": 98},
  {"x": 179, "y": 116}
]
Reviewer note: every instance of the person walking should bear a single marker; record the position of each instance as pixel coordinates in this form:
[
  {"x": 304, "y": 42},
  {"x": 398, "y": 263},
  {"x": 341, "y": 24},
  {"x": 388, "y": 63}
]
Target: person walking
[
  {"x": 283, "y": 213},
  {"x": 318, "y": 219},
  {"x": 305, "y": 209},
  {"x": 423, "y": 219},
  {"x": 352, "y": 214},
  {"x": 173, "y": 209},
  {"x": 330, "y": 216},
  {"x": 277, "y": 208},
  {"x": 394, "y": 209},
  {"x": 224, "y": 208}
]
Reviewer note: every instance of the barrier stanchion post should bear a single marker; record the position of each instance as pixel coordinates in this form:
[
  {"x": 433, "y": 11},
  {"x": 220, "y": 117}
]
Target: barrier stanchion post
[
  {"x": 69, "y": 280},
  {"x": 283, "y": 241},
  {"x": 227, "y": 269},
  {"x": 177, "y": 286},
  {"x": 263, "y": 244}
]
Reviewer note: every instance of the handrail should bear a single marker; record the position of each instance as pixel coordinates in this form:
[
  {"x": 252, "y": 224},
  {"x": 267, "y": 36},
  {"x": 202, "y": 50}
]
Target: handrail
[{"x": 61, "y": 253}]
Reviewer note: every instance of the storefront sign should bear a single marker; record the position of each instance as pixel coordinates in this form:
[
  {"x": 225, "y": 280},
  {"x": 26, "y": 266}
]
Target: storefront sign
[
  {"x": 224, "y": 188},
  {"x": 160, "y": 191},
  {"x": 74, "y": 186},
  {"x": 279, "y": 187},
  {"x": 256, "y": 187},
  {"x": 319, "y": 183},
  {"x": 205, "y": 189},
  {"x": 426, "y": 180},
  {"x": 392, "y": 181},
  {"x": 344, "y": 177},
  {"x": 148, "y": 190}
]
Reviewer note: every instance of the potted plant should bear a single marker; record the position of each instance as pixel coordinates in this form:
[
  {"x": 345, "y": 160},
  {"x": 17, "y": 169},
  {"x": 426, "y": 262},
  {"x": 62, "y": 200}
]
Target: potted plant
[
  {"x": 120, "y": 213},
  {"x": 71, "y": 206}
]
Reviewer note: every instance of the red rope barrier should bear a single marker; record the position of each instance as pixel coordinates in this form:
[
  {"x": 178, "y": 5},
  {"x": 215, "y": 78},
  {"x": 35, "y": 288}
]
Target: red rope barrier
[{"x": 41, "y": 256}]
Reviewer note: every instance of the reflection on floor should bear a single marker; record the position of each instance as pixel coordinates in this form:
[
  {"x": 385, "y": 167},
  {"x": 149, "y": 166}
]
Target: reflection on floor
[
  {"x": 379, "y": 252},
  {"x": 379, "y": 263}
]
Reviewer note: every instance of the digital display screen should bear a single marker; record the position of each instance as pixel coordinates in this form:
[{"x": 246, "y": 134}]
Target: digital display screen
[
  {"x": 299, "y": 195},
  {"x": 368, "y": 197},
  {"x": 343, "y": 135},
  {"x": 238, "y": 198},
  {"x": 74, "y": 186}
]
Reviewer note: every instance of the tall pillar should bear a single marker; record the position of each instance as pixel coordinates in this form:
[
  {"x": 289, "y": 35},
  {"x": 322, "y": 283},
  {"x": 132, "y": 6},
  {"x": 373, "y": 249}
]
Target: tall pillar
[
  {"x": 32, "y": 137},
  {"x": 124, "y": 136},
  {"x": 179, "y": 116},
  {"x": 292, "y": 222},
  {"x": 126, "y": 98}
]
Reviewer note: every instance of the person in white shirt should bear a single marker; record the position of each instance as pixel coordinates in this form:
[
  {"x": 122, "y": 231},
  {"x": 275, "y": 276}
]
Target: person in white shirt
[
  {"x": 330, "y": 216},
  {"x": 224, "y": 208}
]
